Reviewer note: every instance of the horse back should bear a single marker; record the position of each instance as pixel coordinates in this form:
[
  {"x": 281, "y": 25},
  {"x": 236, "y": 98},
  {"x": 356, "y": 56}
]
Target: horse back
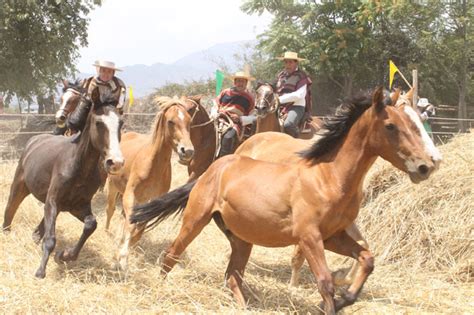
[{"x": 48, "y": 160}]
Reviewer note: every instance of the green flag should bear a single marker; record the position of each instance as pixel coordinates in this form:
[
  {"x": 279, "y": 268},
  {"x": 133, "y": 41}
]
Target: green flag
[{"x": 219, "y": 81}]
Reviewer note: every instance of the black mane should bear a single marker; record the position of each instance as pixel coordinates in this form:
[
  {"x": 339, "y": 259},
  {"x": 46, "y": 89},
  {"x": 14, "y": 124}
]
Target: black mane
[{"x": 337, "y": 126}]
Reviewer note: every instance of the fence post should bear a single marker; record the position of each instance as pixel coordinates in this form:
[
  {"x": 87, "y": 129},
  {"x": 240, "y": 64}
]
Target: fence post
[{"x": 415, "y": 88}]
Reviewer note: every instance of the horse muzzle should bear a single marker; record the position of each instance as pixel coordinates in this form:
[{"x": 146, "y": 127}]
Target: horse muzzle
[
  {"x": 113, "y": 166},
  {"x": 185, "y": 155},
  {"x": 421, "y": 172}
]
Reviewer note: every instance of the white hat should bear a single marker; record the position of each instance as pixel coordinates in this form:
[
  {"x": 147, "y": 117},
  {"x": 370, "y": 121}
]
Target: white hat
[
  {"x": 290, "y": 55},
  {"x": 106, "y": 64},
  {"x": 242, "y": 75},
  {"x": 422, "y": 102}
]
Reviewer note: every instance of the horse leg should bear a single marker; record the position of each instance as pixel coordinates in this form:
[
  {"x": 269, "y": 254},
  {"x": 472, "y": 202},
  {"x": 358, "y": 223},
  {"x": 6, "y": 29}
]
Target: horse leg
[
  {"x": 348, "y": 278},
  {"x": 235, "y": 270},
  {"x": 131, "y": 233},
  {"x": 90, "y": 224},
  {"x": 340, "y": 279},
  {"x": 343, "y": 244},
  {"x": 312, "y": 246},
  {"x": 112, "y": 196},
  {"x": 193, "y": 223},
  {"x": 296, "y": 263},
  {"x": 49, "y": 241},
  {"x": 18, "y": 193},
  {"x": 38, "y": 233}
]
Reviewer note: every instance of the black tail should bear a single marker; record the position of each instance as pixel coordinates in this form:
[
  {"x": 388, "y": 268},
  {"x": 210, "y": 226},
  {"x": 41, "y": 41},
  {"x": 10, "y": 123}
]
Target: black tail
[{"x": 161, "y": 208}]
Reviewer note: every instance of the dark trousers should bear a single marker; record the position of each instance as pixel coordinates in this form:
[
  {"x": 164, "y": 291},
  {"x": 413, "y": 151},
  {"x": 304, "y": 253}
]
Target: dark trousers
[
  {"x": 292, "y": 121},
  {"x": 229, "y": 141}
]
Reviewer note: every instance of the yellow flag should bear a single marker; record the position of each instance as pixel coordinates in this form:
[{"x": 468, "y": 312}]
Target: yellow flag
[
  {"x": 393, "y": 70},
  {"x": 130, "y": 96}
]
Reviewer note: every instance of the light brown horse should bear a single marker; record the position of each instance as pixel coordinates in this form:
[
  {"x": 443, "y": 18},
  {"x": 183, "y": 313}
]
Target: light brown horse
[
  {"x": 267, "y": 106},
  {"x": 309, "y": 204},
  {"x": 282, "y": 148},
  {"x": 147, "y": 170}
]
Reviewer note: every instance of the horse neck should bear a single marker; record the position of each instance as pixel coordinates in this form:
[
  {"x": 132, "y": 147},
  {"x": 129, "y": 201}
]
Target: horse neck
[
  {"x": 269, "y": 122},
  {"x": 86, "y": 155},
  {"x": 161, "y": 146},
  {"x": 349, "y": 163},
  {"x": 203, "y": 137}
]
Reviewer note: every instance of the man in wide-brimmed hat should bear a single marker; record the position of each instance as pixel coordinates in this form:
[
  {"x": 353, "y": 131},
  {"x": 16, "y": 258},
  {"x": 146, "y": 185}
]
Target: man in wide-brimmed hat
[
  {"x": 237, "y": 103},
  {"x": 109, "y": 86},
  {"x": 294, "y": 88}
]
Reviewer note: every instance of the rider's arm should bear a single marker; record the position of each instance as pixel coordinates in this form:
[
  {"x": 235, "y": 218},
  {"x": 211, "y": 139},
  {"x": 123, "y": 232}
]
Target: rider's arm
[{"x": 296, "y": 96}]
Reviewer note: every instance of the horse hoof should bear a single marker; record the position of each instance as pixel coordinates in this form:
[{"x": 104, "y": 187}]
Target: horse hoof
[
  {"x": 6, "y": 229},
  {"x": 63, "y": 256},
  {"x": 36, "y": 237},
  {"x": 40, "y": 274}
]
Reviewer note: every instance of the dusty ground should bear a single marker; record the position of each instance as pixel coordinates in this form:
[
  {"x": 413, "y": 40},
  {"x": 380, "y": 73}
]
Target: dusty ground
[{"x": 421, "y": 236}]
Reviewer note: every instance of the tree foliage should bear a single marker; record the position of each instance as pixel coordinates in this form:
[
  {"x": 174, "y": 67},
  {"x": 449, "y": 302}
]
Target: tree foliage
[
  {"x": 348, "y": 43},
  {"x": 39, "y": 42}
]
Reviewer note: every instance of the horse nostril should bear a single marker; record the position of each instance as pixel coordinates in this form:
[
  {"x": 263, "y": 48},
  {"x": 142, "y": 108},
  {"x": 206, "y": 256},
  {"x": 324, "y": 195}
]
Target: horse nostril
[
  {"x": 189, "y": 153},
  {"x": 109, "y": 163},
  {"x": 423, "y": 169},
  {"x": 62, "y": 118}
]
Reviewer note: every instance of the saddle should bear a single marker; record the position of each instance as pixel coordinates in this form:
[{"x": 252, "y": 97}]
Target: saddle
[{"x": 226, "y": 121}]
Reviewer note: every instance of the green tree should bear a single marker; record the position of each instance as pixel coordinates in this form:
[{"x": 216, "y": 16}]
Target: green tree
[
  {"x": 39, "y": 41},
  {"x": 349, "y": 43}
]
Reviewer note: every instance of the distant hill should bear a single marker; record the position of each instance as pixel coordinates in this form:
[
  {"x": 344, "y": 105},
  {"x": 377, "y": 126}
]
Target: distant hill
[{"x": 195, "y": 66}]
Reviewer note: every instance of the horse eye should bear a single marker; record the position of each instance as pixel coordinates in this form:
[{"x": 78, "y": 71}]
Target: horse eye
[
  {"x": 170, "y": 122},
  {"x": 391, "y": 127}
]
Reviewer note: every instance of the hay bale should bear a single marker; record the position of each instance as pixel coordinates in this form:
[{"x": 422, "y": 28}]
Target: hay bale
[{"x": 428, "y": 226}]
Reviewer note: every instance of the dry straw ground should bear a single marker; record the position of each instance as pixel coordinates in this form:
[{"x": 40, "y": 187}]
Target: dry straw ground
[{"x": 421, "y": 235}]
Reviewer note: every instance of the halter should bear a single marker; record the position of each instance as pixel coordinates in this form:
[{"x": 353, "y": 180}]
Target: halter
[
  {"x": 194, "y": 115},
  {"x": 273, "y": 106}
]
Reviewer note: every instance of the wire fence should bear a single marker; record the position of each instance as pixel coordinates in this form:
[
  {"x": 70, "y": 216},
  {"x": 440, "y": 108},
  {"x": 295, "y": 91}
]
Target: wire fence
[{"x": 17, "y": 129}]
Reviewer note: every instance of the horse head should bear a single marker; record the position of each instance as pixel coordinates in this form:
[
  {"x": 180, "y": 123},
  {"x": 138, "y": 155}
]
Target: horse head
[
  {"x": 174, "y": 125},
  {"x": 399, "y": 137},
  {"x": 266, "y": 100},
  {"x": 70, "y": 98},
  {"x": 104, "y": 124}
]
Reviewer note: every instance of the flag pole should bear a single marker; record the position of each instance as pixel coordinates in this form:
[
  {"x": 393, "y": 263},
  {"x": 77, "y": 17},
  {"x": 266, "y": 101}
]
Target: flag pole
[{"x": 406, "y": 81}]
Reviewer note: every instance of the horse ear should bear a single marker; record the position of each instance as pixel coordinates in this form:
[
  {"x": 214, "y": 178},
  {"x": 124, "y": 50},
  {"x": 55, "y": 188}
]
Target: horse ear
[
  {"x": 394, "y": 96},
  {"x": 378, "y": 99},
  {"x": 409, "y": 94},
  {"x": 65, "y": 83},
  {"x": 259, "y": 84}
]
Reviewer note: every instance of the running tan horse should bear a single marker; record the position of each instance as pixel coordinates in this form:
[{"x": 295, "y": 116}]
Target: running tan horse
[
  {"x": 147, "y": 170},
  {"x": 310, "y": 204},
  {"x": 282, "y": 148}
]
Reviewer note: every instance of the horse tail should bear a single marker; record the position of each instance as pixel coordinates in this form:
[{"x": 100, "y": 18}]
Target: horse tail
[{"x": 162, "y": 207}]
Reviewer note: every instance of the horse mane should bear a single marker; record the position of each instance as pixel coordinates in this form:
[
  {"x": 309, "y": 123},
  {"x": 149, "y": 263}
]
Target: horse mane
[
  {"x": 337, "y": 127},
  {"x": 75, "y": 85}
]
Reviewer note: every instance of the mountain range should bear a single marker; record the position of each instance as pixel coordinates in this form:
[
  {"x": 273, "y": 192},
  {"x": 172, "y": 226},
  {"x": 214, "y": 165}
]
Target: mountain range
[{"x": 195, "y": 66}]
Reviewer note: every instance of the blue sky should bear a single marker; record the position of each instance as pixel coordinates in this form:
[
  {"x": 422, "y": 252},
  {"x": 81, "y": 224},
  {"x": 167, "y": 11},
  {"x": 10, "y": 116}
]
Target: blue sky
[{"x": 149, "y": 31}]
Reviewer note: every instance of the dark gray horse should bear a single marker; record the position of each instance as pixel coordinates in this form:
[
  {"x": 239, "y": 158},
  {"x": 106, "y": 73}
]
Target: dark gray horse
[{"x": 64, "y": 173}]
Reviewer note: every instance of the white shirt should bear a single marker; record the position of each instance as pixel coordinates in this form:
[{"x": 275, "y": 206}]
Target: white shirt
[{"x": 298, "y": 97}]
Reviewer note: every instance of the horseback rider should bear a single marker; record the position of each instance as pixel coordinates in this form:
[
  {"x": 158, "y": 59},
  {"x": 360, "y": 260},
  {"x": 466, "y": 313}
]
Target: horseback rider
[
  {"x": 294, "y": 89},
  {"x": 237, "y": 104},
  {"x": 427, "y": 110},
  {"x": 108, "y": 87}
]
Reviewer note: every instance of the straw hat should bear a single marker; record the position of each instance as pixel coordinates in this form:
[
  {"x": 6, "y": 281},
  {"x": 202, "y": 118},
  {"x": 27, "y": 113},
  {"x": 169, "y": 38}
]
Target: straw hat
[
  {"x": 106, "y": 64},
  {"x": 291, "y": 55},
  {"x": 422, "y": 102},
  {"x": 242, "y": 75}
]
